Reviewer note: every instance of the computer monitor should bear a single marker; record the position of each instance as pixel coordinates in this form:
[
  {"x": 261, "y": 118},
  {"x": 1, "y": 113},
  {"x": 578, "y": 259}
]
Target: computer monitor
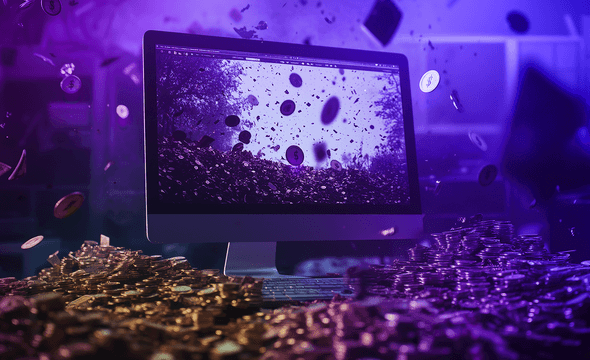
[{"x": 251, "y": 142}]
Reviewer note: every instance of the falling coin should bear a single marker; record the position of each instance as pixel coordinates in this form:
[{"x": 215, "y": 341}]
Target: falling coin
[
  {"x": 32, "y": 242},
  {"x": 487, "y": 175},
  {"x": 429, "y": 81},
  {"x": 21, "y": 168},
  {"x": 71, "y": 84},
  {"x": 68, "y": 205},
  {"x": 108, "y": 165},
  {"x": 4, "y": 168},
  {"x": 478, "y": 141},
  {"x": 122, "y": 111},
  {"x": 51, "y": 7},
  {"x": 45, "y": 58}
]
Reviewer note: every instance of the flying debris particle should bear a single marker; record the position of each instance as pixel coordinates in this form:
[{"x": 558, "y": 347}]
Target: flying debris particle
[
  {"x": 330, "y": 21},
  {"x": 21, "y": 168},
  {"x": 132, "y": 72},
  {"x": 303, "y": 2},
  {"x": 122, "y": 111},
  {"x": 357, "y": 100},
  {"x": 67, "y": 69},
  {"x": 372, "y": 127},
  {"x": 341, "y": 71},
  {"x": 44, "y": 58},
  {"x": 533, "y": 204},
  {"x": 235, "y": 15},
  {"x": 238, "y": 147},
  {"x": 294, "y": 155},
  {"x": 205, "y": 141},
  {"x": 295, "y": 80},
  {"x": 319, "y": 150},
  {"x": 288, "y": 107},
  {"x": 388, "y": 232},
  {"x": 262, "y": 25},
  {"x": 246, "y": 8},
  {"x": 437, "y": 187},
  {"x": 307, "y": 40},
  {"x": 253, "y": 100},
  {"x": 456, "y": 103},
  {"x": 430, "y": 44},
  {"x": 487, "y": 175},
  {"x": 518, "y": 22},
  {"x": 246, "y": 34},
  {"x": 329, "y": 153},
  {"x": 8, "y": 114},
  {"x": 336, "y": 165},
  {"x": 330, "y": 110},
  {"x": 245, "y": 136},
  {"x": 573, "y": 231},
  {"x": 4, "y": 168},
  {"x": 177, "y": 113},
  {"x": 272, "y": 186},
  {"x": 383, "y": 20},
  {"x": 232, "y": 121},
  {"x": 108, "y": 61},
  {"x": 178, "y": 135}
]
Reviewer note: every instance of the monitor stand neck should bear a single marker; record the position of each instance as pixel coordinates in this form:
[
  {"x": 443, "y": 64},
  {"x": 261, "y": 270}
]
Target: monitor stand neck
[{"x": 256, "y": 259}]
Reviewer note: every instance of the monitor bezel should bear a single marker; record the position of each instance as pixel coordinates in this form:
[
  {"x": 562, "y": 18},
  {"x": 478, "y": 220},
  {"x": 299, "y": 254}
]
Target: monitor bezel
[{"x": 155, "y": 206}]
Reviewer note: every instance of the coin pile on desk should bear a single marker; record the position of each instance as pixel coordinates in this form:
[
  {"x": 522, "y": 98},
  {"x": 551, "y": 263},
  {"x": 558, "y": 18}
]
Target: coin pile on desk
[{"x": 478, "y": 292}]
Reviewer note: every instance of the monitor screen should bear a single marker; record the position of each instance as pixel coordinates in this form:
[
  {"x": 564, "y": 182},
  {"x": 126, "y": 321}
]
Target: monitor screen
[
  {"x": 243, "y": 127},
  {"x": 239, "y": 132}
]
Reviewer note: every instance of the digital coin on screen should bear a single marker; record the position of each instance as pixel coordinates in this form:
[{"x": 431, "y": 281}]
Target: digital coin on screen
[
  {"x": 71, "y": 84},
  {"x": 51, "y": 7},
  {"x": 32, "y": 242},
  {"x": 429, "y": 81},
  {"x": 294, "y": 155},
  {"x": 68, "y": 205}
]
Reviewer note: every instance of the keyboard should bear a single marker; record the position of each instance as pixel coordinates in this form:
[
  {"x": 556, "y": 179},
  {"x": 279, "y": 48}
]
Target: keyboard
[{"x": 284, "y": 289}]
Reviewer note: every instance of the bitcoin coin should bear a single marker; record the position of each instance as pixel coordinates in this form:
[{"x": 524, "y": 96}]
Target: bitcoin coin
[
  {"x": 68, "y": 205},
  {"x": 429, "y": 81},
  {"x": 71, "y": 84},
  {"x": 32, "y": 242},
  {"x": 21, "y": 168},
  {"x": 51, "y": 7}
]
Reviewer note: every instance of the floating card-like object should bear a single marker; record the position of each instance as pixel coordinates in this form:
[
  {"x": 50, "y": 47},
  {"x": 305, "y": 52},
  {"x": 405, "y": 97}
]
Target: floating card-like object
[
  {"x": 21, "y": 168},
  {"x": 51, "y": 7},
  {"x": 105, "y": 240},
  {"x": 32, "y": 242},
  {"x": 108, "y": 61},
  {"x": 53, "y": 259},
  {"x": 25, "y": 4},
  {"x": 4, "y": 168},
  {"x": 68, "y": 205},
  {"x": 45, "y": 58},
  {"x": 383, "y": 21}
]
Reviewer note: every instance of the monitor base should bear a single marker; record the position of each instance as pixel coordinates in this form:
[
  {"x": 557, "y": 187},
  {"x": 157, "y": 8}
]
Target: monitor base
[{"x": 256, "y": 259}]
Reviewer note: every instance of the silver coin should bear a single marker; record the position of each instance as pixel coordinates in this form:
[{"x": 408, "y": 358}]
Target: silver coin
[
  {"x": 51, "y": 7},
  {"x": 429, "y": 81},
  {"x": 71, "y": 84}
]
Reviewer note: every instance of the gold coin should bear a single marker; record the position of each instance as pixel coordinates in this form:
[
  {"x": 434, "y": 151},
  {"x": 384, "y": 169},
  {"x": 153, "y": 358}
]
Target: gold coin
[
  {"x": 68, "y": 205},
  {"x": 32, "y": 242}
]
